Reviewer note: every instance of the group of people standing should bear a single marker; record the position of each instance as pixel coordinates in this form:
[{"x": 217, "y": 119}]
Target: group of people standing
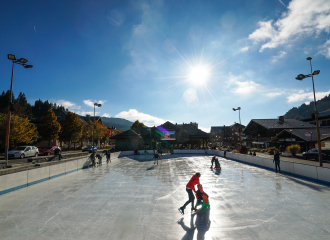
[{"x": 99, "y": 157}]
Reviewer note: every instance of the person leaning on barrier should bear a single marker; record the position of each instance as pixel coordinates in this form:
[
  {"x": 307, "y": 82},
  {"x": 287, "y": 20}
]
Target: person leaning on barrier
[
  {"x": 277, "y": 161},
  {"x": 57, "y": 152}
]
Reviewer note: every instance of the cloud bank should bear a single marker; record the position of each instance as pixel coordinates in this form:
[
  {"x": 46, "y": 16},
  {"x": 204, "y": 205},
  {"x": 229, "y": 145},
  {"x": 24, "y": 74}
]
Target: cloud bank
[{"x": 146, "y": 119}]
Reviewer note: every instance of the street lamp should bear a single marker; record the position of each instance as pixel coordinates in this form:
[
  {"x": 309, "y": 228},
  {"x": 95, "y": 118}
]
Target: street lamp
[
  {"x": 291, "y": 135},
  {"x": 21, "y": 61},
  {"x": 240, "y": 126},
  {"x": 301, "y": 77},
  {"x": 95, "y": 105}
]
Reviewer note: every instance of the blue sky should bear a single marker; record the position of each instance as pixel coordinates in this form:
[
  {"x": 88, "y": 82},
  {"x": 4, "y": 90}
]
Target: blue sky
[{"x": 174, "y": 60}]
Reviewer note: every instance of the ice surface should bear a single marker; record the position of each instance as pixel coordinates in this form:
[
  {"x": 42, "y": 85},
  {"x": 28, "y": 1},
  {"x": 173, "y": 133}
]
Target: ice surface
[{"x": 131, "y": 198}]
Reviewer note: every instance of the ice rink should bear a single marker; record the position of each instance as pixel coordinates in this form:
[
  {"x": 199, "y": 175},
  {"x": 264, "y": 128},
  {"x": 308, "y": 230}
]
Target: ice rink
[{"x": 131, "y": 198}]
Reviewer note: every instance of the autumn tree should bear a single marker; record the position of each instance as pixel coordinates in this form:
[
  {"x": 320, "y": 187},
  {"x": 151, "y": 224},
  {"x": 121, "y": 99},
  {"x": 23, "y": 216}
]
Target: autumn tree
[
  {"x": 137, "y": 124},
  {"x": 21, "y": 130},
  {"x": 71, "y": 130},
  {"x": 100, "y": 131},
  {"x": 49, "y": 127}
]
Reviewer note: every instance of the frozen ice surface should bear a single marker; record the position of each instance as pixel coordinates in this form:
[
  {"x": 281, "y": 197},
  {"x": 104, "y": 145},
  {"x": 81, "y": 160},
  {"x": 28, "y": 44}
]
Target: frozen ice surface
[{"x": 131, "y": 198}]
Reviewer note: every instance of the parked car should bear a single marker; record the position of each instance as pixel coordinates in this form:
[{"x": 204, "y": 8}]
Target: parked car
[
  {"x": 314, "y": 154},
  {"x": 48, "y": 150},
  {"x": 89, "y": 149},
  {"x": 23, "y": 151}
]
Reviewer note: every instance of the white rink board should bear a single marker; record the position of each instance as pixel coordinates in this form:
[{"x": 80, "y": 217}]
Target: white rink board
[
  {"x": 56, "y": 169},
  {"x": 38, "y": 174},
  {"x": 323, "y": 174},
  {"x": 13, "y": 180},
  {"x": 305, "y": 170}
]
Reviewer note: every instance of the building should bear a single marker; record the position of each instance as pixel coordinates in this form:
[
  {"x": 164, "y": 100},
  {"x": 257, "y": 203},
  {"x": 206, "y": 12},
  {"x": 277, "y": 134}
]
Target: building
[
  {"x": 324, "y": 119},
  {"x": 262, "y": 133},
  {"x": 227, "y": 135}
]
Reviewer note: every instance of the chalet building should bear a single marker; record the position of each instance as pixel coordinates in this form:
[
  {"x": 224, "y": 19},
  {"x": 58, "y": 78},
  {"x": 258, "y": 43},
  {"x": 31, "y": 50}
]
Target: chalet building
[
  {"x": 306, "y": 137},
  {"x": 166, "y": 136},
  {"x": 324, "y": 119},
  {"x": 263, "y": 133},
  {"x": 227, "y": 135}
]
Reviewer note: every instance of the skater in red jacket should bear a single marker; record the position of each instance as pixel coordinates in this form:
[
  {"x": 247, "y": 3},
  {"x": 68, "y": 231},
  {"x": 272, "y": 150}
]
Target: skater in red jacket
[{"x": 190, "y": 187}]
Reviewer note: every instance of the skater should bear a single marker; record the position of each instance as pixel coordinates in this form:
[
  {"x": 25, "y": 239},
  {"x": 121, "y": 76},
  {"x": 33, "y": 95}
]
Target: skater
[
  {"x": 108, "y": 155},
  {"x": 93, "y": 159},
  {"x": 156, "y": 156},
  {"x": 277, "y": 161},
  {"x": 254, "y": 153},
  {"x": 202, "y": 198},
  {"x": 224, "y": 153},
  {"x": 190, "y": 187},
  {"x": 217, "y": 164},
  {"x": 99, "y": 158},
  {"x": 212, "y": 161}
]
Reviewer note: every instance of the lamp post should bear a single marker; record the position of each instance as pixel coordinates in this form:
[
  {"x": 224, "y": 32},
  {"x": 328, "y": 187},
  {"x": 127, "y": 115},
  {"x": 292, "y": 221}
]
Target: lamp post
[
  {"x": 97, "y": 105},
  {"x": 240, "y": 126},
  {"x": 301, "y": 77},
  {"x": 291, "y": 135},
  {"x": 21, "y": 61}
]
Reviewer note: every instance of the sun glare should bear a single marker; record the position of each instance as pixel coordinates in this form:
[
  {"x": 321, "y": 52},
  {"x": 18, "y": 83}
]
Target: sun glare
[{"x": 199, "y": 75}]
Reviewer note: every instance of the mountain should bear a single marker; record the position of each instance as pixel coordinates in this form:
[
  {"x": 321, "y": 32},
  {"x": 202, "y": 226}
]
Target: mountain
[
  {"x": 119, "y": 123},
  {"x": 305, "y": 111}
]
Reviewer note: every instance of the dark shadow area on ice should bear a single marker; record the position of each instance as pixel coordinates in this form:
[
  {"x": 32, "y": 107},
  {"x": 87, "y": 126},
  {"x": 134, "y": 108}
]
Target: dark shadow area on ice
[{"x": 202, "y": 224}]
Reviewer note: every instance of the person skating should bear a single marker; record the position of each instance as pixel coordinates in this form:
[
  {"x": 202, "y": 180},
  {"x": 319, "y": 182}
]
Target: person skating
[
  {"x": 202, "y": 198},
  {"x": 212, "y": 161},
  {"x": 277, "y": 161},
  {"x": 190, "y": 187},
  {"x": 156, "y": 156},
  {"x": 217, "y": 164},
  {"x": 108, "y": 154}
]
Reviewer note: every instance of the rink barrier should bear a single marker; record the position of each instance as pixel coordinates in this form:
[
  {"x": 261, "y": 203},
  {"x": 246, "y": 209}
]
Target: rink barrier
[
  {"x": 304, "y": 171},
  {"x": 14, "y": 181}
]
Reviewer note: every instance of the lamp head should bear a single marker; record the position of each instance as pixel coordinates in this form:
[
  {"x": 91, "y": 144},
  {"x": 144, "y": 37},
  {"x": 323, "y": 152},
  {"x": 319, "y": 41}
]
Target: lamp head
[
  {"x": 316, "y": 72},
  {"x": 22, "y": 60},
  {"x": 11, "y": 57},
  {"x": 234, "y": 109},
  {"x": 309, "y": 58},
  {"x": 300, "y": 77},
  {"x": 28, "y": 66}
]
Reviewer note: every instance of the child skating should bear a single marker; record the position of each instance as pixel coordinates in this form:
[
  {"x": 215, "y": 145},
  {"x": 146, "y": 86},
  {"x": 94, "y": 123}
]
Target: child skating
[
  {"x": 202, "y": 198},
  {"x": 190, "y": 188},
  {"x": 156, "y": 156}
]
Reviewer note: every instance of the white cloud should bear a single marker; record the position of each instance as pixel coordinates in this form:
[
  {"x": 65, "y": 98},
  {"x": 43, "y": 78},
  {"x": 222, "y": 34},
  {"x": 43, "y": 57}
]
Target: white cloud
[
  {"x": 244, "y": 49},
  {"x": 301, "y": 95},
  {"x": 84, "y": 113},
  {"x": 68, "y": 105},
  {"x": 205, "y": 129},
  {"x": 146, "y": 119},
  {"x": 304, "y": 17},
  {"x": 279, "y": 56},
  {"x": 325, "y": 49},
  {"x": 274, "y": 94},
  {"x": 90, "y": 103},
  {"x": 106, "y": 115},
  {"x": 236, "y": 84}
]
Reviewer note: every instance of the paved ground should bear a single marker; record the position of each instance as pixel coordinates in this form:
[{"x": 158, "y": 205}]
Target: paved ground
[{"x": 132, "y": 198}]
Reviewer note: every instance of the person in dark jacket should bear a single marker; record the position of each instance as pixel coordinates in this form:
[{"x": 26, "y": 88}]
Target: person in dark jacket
[
  {"x": 212, "y": 161},
  {"x": 190, "y": 187},
  {"x": 57, "y": 152},
  {"x": 277, "y": 161}
]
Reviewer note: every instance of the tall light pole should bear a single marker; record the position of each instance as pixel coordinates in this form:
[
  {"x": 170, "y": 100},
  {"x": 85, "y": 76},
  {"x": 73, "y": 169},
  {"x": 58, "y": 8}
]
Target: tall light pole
[
  {"x": 301, "y": 77},
  {"x": 97, "y": 105},
  {"x": 240, "y": 125},
  {"x": 291, "y": 135},
  {"x": 21, "y": 61}
]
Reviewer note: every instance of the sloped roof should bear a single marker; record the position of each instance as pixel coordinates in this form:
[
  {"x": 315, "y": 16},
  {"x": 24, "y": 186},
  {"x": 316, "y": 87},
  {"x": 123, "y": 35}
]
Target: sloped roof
[
  {"x": 218, "y": 129},
  {"x": 129, "y": 134},
  {"x": 276, "y": 124},
  {"x": 301, "y": 133},
  {"x": 195, "y": 132},
  {"x": 91, "y": 118},
  {"x": 169, "y": 126},
  {"x": 324, "y": 114}
]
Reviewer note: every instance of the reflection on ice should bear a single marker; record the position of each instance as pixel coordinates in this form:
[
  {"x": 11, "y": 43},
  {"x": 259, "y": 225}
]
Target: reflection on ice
[{"x": 131, "y": 198}]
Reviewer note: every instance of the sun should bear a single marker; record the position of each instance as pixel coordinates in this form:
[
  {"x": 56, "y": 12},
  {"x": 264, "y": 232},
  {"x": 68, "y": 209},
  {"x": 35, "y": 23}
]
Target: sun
[{"x": 199, "y": 75}]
